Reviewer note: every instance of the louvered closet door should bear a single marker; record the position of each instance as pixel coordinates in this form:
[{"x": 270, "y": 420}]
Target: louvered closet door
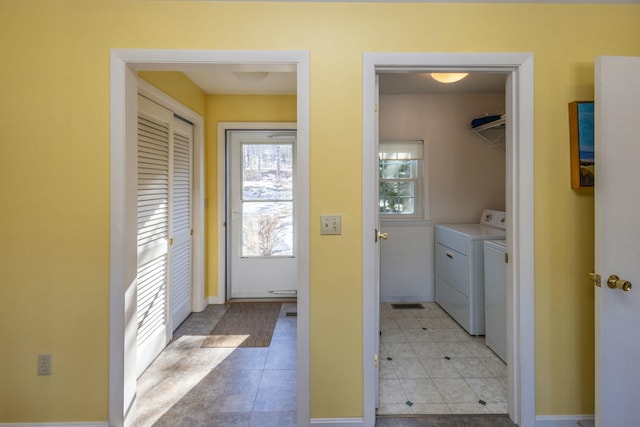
[
  {"x": 154, "y": 131},
  {"x": 180, "y": 231}
]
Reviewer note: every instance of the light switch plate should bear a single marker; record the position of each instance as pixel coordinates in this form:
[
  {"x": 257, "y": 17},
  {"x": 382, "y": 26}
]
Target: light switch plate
[{"x": 330, "y": 224}]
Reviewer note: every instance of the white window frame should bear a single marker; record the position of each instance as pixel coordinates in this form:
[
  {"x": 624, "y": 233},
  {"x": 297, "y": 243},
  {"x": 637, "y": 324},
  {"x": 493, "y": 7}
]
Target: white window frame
[{"x": 421, "y": 192}]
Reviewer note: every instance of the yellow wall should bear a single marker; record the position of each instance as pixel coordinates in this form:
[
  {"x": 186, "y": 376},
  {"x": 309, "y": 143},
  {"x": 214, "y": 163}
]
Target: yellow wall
[
  {"x": 54, "y": 175},
  {"x": 179, "y": 87}
]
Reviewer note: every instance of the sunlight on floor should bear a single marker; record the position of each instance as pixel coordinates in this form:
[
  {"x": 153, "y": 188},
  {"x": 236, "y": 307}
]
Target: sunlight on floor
[{"x": 192, "y": 385}]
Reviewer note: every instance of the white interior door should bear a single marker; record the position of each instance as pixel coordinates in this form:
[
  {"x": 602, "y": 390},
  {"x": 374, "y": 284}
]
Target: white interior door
[
  {"x": 376, "y": 133},
  {"x": 617, "y": 240},
  {"x": 165, "y": 249},
  {"x": 181, "y": 229},
  {"x": 261, "y": 230},
  {"x": 154, "y": 133}
]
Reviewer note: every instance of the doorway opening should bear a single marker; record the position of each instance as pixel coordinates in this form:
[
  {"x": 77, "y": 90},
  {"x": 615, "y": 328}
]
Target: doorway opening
[
  {"x": 518, "y": 69},
  {"x": 434, "y": 356},
  {"x": 125, "y": 64}
]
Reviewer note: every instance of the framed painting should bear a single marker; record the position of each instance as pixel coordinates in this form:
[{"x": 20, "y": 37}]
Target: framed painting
[{"x": 581, "y": 139}]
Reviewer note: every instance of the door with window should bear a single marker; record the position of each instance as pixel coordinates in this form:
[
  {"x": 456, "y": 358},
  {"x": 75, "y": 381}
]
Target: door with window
[{"x": 261, "y": 231}]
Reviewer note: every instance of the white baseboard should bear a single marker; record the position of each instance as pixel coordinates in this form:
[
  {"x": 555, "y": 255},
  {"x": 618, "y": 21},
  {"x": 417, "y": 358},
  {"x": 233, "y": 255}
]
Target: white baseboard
[
  {"x": 216, "y": 300},
  {"x": 406, "y": 299},
  {"x": 565, "y": 421},
  {"x": 69, "y": 424},
  {"x": 337, "y": 422}
]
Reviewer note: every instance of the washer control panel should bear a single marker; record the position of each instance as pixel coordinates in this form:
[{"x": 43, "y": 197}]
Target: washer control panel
[{"x": 493, "y": 218}]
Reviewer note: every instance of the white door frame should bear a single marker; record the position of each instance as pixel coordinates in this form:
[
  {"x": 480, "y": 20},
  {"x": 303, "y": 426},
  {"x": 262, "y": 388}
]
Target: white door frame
[
  {"x": 122, "y": 278},
  {"x": 520, "y": 184},
  {"x": 223, "y": 127}
]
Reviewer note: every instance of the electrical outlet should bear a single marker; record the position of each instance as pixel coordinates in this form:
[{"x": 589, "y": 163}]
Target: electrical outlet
[{"x": 44, "y": 364}]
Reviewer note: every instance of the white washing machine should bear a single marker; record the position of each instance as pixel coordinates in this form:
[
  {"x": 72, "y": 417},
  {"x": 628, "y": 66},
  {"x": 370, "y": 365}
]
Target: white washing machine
[
  {"x": 460, "y": 267},
  {"x": 495, "y": 297}
]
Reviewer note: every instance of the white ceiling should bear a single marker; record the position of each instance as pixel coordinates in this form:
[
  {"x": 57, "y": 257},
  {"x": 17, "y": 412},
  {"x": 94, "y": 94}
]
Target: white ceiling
[
  {"x": 245, "y": 79},
  {"x": 405, "y": 83},
  {"x": 268, "y": 79}
]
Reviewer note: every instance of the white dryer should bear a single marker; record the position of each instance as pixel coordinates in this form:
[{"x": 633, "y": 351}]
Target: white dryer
[{"x": 460, "y": 267}]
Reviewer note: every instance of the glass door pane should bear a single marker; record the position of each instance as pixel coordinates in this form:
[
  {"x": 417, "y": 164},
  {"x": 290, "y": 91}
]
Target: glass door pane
[{"x": 267, "y": 200}]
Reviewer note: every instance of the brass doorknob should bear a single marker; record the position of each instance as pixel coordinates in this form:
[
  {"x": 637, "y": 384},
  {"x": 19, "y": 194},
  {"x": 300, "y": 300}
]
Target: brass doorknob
[{"x": 614, "y": 282}]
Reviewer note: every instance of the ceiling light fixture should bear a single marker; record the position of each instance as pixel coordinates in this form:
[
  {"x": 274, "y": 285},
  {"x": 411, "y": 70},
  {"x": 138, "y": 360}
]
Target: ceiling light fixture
[
  {"x": 251, "y": 76},
  {"x": 448, "y": 77}
]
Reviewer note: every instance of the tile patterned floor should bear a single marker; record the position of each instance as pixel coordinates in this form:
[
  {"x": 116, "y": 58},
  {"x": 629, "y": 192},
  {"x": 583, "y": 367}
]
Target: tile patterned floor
[
  {"x": 430, "y": 365},
  {"x": 446, "y": 421},
  {"x": 245, "y": 387},
  {"x": 426, "y": 359}
]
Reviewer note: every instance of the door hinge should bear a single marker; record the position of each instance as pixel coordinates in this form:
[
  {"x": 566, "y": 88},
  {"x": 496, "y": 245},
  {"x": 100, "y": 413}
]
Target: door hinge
[
  {"x": 506, "y": 257},
  {"x": 375, "y": 360},
  {"x": 597, "y": 280},
  {"x": 191, "y": 232}
]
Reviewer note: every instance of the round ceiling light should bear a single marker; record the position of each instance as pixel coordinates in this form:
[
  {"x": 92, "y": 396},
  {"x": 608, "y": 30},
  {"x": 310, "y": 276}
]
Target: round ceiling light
[
  {"x": 250, "y": 76},
  {"x": 448, "y": 77}
]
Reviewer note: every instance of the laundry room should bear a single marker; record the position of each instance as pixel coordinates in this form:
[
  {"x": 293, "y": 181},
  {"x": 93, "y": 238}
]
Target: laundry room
[
  {"x": 442, "y": 195},
  {"x": 462, "y": 173}
]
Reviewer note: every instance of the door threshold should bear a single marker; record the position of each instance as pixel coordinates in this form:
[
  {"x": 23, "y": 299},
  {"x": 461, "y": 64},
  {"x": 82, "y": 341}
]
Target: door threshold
[
  {"x": 440, "y": 416},
  {"x": 283, "y": 300}
]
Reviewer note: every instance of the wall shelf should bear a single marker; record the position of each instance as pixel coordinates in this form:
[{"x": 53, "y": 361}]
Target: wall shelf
[{"x": 492, "y": 133}]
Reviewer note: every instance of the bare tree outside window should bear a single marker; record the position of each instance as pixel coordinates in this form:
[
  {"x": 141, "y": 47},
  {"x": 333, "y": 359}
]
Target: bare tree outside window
[{"x": 267, "y": 199}]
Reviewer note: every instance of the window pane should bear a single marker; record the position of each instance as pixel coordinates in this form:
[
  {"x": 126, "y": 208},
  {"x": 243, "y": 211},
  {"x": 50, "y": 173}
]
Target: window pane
[
  {"x": 405, "y": 189},
  {"x": 404, "y": 169},
  {"x": 405, "y": 205},
  {"x": 398, "y": 186},
  {"x": 267, "y": 229},
  {"x": 388, "y": 169},
  {"x": 388, "y": 189},
  {"x": 389, "y": 205},
  {"x": 267, "y": 171},
  {"x": 388, "y": 192},
  {"x": 397, "y": 197}
]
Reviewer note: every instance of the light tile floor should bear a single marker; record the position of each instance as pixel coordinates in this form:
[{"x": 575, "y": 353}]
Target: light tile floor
[
  {"x": 245, "y": 387},
  {"x": 192, "y": 386},
  {"x": 484, "y": 420},
  {"x": 430, "y": 365}
]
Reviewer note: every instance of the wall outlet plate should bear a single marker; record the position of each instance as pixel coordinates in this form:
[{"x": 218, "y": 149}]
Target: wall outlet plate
[{"x": 44, "y": 364}]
